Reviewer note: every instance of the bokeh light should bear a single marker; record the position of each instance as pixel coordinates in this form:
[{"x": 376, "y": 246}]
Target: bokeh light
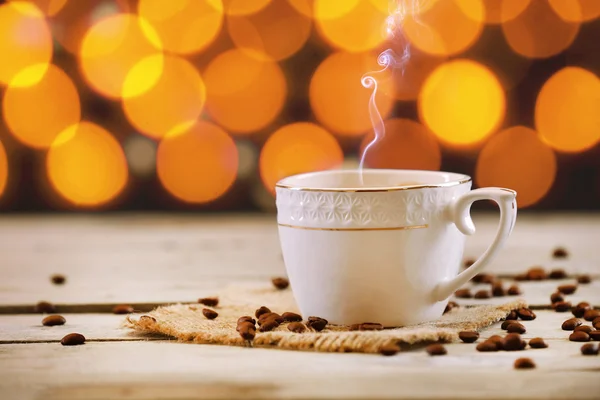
[
  {"x": 339, "y": 100},
  {"x": 462, "y": 102},
  {"x": 48, "y": 7},
  {"x": 274, "y": 33},
  {"x": 447, "y": 27},
  {"x": 37, "y": 114},
  {"x": 516, "y": 158},
  {"x": 538, "y": 32},
  {"x": 3, "y": 169},
  {"x": 197, "y": 163},
  {"x": 576, "y": 10},
  {"x": 406, "y": 144},
  {"x": 567, "y": 110},
  {"x": 86, "y": 165},
  {"x": 184, "y": 26},
  {"x": 499, "y": 11},
  {"x": 244, "y": 94},
  {"x": 324, "y": 9},
  {"x": 244, "y": 7},
  {"x": 297, "y": 148},
  {"x": 112, "y": 47},
  {"x": 25, "y": 40}
]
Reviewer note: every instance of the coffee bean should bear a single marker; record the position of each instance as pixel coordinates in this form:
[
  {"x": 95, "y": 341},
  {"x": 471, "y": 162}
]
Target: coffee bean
[
  {"x": 536, "y": 274},
  {"x": 389, "y": 349},
  {"x": 506, "y": 323},
  {"x": 296, "y": 327},
  {"x": 498, "y": 340},
  {"x": 436, "y": 349},
  {"x": 584, "y": 328},
  {"x": 513, "y": 290},
  {"x": 483, "y": 278},
  {"x": 558, "y": 273},
  {"x": 521, "y": 277},
  {"x": 450, "y": 306},
  {"x": 73, "y": 339},
  {"x": 122, "y": 309},
  {"x": 591, "y": 315},
  {"x": 316, "y": 323},
  {"x": 556, "y": 297},
  {"x": 590, "y": 349},
  {"x": 498, "y": 290},
  {"x": 596, "y": 323},
  {"x": 570, "y": 324},
  {"x": 147, "y": 319},
  {"x": 584, "y": 279},
  {"x": 280, "y": 283},
  {"x": 291, "y": 317},
  {"x": 247, "y": 331},
  {"x": 516, "y": 327},
  {"x": 537, "y": 343},
  {"x": 262, "y": 310},
  {"x": 512, "y": 342},
  {"x": 579, "y": 337},
  {"x": 512, "y": 315},
  {"x": 562, "y": 306},
  {"x": 560, "y": 252},
  {"x": 53, "y": 320},
  {"x": 594, "y": 335},
  {"x": 580, "y": 309},
  {"x": 209, "y": 314},
  {"x": 44, "y": 307},
  {"x": 468, "y": 262},
  {"x": 463, "y": 294},
  {"x": 487, "y": 346},
  {"x": 526, "y": 314},
  {"x": 268, "y": 316},
  {"x": 58, "y": 279},
  {"x": 482, "y": 294},
  {"x": 468, "y": 336},
  {"x": 241, "y": 324},
  {"x": 370, "y": 326},
  {"x": 246, "y": 318},
  {"x": 567, "y": 289},
  {"x": 268, "y": 325},
  {"x": 524, "y": 363},
  {"x": 209, "y": 301}
]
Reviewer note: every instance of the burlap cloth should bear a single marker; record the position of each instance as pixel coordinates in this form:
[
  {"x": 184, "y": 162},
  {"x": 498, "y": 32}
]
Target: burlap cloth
[{"x": 187, "y": 323}]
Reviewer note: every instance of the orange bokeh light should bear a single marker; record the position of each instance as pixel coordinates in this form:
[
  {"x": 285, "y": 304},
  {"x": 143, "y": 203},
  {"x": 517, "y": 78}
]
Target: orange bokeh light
[
  {"x": 274, "y": 33},
  {"x": 446, "y": 27},
  {"x": 339, "y": 100},
  {"x": 112, "y": 47},
  {"x": 406, "y": 144},
  {"x": 177, "y": 97},
  {"x": 462, "y": 102},
  {"x": 499, "y": 11},
  {"x": 324, "y": 9},
  {"x": 576, "y": 10},
  {"x": 37, "y": 114},
  {"x": 197, "y": 162},
  {"x": 48, "y": 7},
  {"x": 566, "y": 111},
  {"x": 184, "y": 26},
  {"x": 3, "y": 169},
  {"x": 516, "y": 158},
  {"x": 25, "y": 40},
  {"x": 538, "y": 32},
  {"x": 244, "y": 94},
  {"x": 297, "y": 148},
  {"x": 244, "y": 7},
  {"x": 86, "y": 165}
]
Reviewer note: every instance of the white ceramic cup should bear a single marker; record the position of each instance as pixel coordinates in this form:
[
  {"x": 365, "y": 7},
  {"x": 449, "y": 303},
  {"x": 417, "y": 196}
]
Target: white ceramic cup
[{"x": 383, "y": 246}]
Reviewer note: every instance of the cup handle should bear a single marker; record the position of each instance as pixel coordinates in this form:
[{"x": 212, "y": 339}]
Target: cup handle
[{"x": 460, "y": 213}]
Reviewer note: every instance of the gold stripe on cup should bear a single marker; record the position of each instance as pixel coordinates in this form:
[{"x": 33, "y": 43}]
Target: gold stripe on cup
[{"x": 392, "y": 228}]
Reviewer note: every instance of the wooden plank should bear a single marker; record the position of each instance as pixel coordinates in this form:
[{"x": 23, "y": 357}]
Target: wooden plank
[{"x": 158, "y": 370}]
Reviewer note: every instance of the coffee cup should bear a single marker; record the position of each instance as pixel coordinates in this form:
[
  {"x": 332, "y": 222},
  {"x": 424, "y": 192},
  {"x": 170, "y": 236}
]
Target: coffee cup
[{"x": 381, "y": 245}]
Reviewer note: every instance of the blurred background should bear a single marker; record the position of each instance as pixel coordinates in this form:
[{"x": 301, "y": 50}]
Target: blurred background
[{"x": 202, "y": 105}]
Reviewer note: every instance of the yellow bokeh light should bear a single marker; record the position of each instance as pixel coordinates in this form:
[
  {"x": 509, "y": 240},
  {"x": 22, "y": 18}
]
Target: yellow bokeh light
[
  {"x": 274, "y": 33},
  {"x": 360, "y": 29},
  {"x": 499, "y": 11},
  {"x": 198, "y": 162},
  {"x": 517, "y": 159},
  {"x": 244, "y": 7},
  {"x": 3, "y": 169},
  {"x": 566, "y": 111},
  {"x": 244, "y": 94},
  {"x": 112, "y": 47},
  {"x": 339, "y": 100},
  {"x": 462, "y": 102},
  {"x": 447, "y": 27},
  {"x": 25, "y": 40},
  {"x": 297, "y": 148},
  {"x": 538, "y": 32},
  {"x": 184, "y": 26},
  {"x": 37, "y": 114},
  {"x": 576, "y": 10},
  {"x": 86, "y": 165},
  {"x": 177, "y": 97},
  {"x": 48, "y": 7}
]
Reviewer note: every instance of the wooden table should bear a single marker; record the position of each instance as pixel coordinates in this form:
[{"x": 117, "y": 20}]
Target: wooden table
[{"x": 147, "y": 260}]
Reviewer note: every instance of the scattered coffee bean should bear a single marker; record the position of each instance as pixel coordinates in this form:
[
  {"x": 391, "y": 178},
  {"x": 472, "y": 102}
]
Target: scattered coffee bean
[
  {"x": 483, "y": 278},
  {"x": 498, "y": 289},
  {"x": 44, "y": 307},
  {"x": 262, "y": 310},
  {"x": 436, "y": 349},
  {"x": 268, "y": 325},
  {"x": 521, "y": 277},
  {"x": 516, "y": 327},
  {"x": 53, "y": 320},
  {"x": 463, "y": 294},
  {"x": 513, "y": 290},
  {"x": 450, "y": 306},
  {"x": 316, "y": 323},
  {"x": 280, "y": 283},
  {"x": 512, "y": 342},
  {"x": 556, "y": 297},
  {"x": 567, "y": 289},
  {"x": 596, "y": 323},
  {"x": 270, "y": 316},
  {"x": 590, "y": 349},
  {"x": 291, "y": 317},
  {"x": 524, "y": 363},
  {"x": 468, "y": 262},
  {"x": 558, "y": 273},
  {"x": 594, "y": 335},
  {"x": 580, "y": 309},
  {"x": 526, "y": 314},
  {"x": 570, "y": 324},
  {"x": 247, "y": 331},
  {"x": 536, "y": 274},
  {"x": 506, "y": 323},
  {"x": 209, "y": 301},
  {"x": 122, "y": 309},
  {"x": 389, "y": 349},
  {"x": 537, "y": 343},
  {"x": 482, "y": 294},
  {"x": 246, "y": 318},
  {"x": 584, "y": 279},
  {"x": 591, "y": 315},
  {"x": 58, "y": 279},
  {"x": 370, "y": 326},
  {"x": 296, "y": 327},
  {"x": 73, "y": 339},
  {"x": 497, "y": 339},
  {"x": 147, "y": 319},
  {"x": 584, "y": 328},
  {"x": 241, "y": 325},
  {"x": 487, "y": 346},
  {"x": 468, "y": 336},
  {"x": 560, "y": 252},
  {"x": 209, "y": 314},
  {"x": 512, "y": 315},
  {"x": 562, "y": 306},
  {"x": 579, "y": 337}
]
